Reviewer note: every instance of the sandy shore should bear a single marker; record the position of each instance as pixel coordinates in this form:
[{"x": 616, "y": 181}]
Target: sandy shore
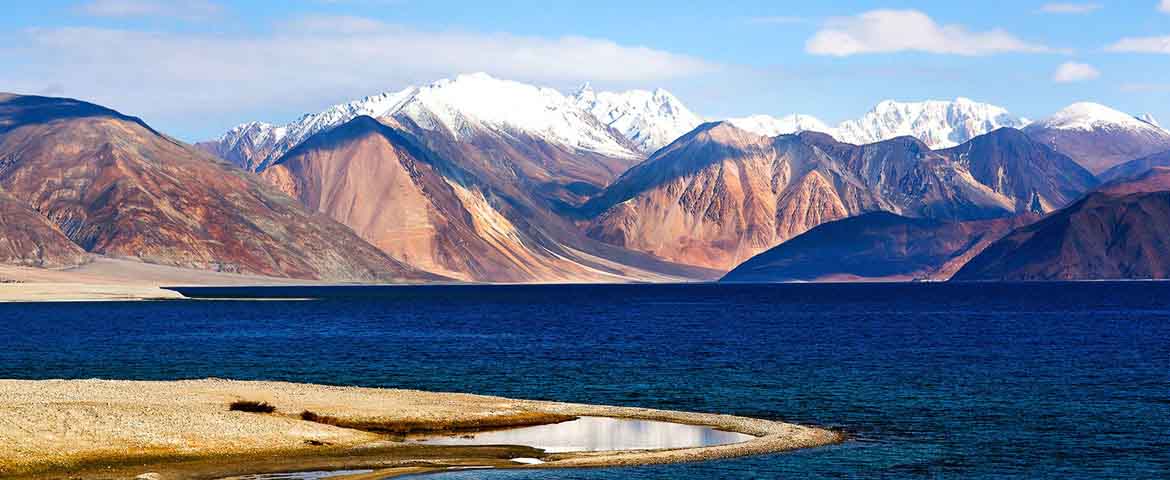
[
  {"x": 183, "y": 430},
  {"x": 113, "y": 279}
]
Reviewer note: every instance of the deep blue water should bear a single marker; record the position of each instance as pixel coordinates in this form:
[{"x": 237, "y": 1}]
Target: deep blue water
[{"x": 932, "y": 381}]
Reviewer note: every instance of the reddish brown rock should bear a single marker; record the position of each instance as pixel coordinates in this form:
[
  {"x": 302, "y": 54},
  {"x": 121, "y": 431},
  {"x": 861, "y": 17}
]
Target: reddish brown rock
[
  {"x": 117, "y": 187},
  {"x": 27, "y": 238},
  {"x": 1119, "y": 232}
]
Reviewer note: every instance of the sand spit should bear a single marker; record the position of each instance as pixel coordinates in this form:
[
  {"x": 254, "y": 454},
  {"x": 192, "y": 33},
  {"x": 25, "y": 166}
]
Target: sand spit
[
  {"x": 105, "y": 278},
  {"x": 104, "y": 429}
]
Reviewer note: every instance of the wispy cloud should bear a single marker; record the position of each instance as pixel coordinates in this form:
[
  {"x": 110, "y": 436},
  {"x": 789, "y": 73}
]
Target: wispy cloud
[
  {"x": 1141, "y": 45},
  {"x": 306, "y": 63},
  {"x": 1164, "y": 6},
  {"x": 890, "y": 31},
  {"x": 1070, "y": 72},
  {"x": 185, "y": 9},
  {"x": 1070, "y": 8}
]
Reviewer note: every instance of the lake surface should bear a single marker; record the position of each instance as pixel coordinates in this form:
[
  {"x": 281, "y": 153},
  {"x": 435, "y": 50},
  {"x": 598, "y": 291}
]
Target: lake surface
[
  {"x": 595, "y": 434},
  {"x": 932, "y": 381}
]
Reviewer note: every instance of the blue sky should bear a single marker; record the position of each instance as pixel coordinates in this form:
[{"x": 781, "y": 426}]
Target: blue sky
[{"x": 197, "y": 67}]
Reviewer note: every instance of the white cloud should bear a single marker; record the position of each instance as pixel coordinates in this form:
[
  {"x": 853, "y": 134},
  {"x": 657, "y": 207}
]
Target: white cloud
[
  {"x": 889, "y": 31},
  {"x": 1164, "y": 6},
  {"x": 1071, "y": 8},
  {"x": 186, "y": 9},
  {"x": 1141, "y": 45},
  {"x": 1070, "y": 72},
  {"x": 306, "y": 64}
]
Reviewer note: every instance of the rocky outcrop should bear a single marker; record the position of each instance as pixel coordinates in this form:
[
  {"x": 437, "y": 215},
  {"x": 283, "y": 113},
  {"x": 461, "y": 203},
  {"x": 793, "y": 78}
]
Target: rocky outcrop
[
  {"x": 115, "y": 186},
  {"x": 27, "y": 238}
]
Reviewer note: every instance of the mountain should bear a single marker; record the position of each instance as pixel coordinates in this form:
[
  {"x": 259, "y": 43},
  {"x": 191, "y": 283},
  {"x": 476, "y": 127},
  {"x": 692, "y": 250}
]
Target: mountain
[
  {"x": 1099, "y": 137},
  {"x": 650, "y": 120},
  {"x": 770, "y": 126},
  {"x": 117, "y": 187},
  {"x": 1136, "y": 168},
  {"x": 877, "y": 246},
  {"x": 939, "y": 124},
  {"x": 467, "y": 108},
  {"x": 719, "y": 195},
  {"x": 1121, "y": 231},
  {"x": 30, "y": 239},
  {"x": 441, "y": 213}
]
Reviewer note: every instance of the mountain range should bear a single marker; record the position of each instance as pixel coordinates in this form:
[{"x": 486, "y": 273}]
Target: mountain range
[
  {"x": 487, "y": 180},
  {"x": 113, "y": 186}
]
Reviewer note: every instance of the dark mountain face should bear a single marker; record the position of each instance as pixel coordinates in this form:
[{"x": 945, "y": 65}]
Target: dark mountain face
[
  {"x": 875, "y": 246},
  {"x": 115, "y": 186},
  {"x": 27, "y": 238},
  {"x": 1119, "y": 232},
  {"x": 1037, "y": 178},
  {"x": 720, "y": 195}
]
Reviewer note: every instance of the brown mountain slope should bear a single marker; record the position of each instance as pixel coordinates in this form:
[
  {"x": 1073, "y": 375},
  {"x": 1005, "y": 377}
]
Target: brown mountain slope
[
  {"x": 1136, "y": 168},
  {"x": 117, "y": 187},
  {"x": 876, "y": 246},
  {"x": 719, "y": 195},
  {"x": 27, "y": 238},
  {"x": 439, "y": 215},
  {"x": 1120, "y": 232}
]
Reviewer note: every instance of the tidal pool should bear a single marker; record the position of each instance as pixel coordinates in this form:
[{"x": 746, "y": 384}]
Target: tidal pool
[{"x": 595, "y": 434}]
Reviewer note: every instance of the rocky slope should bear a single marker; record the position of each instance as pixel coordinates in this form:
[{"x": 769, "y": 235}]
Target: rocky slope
[
  {"x": 27, "y": 238},
  {"x": 720, "y": 195},
  {"x": 1119, "y": 232},
  {"x": 877, "y": 246},
  {"x": 1099, "y": 137},
  {"x": 457, "y": 214},
  {"x": 115, "y": 186}
]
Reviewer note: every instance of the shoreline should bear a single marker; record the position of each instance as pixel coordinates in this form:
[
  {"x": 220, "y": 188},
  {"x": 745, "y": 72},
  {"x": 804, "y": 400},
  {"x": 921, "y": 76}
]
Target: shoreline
[{"x": 183, "y": 430}]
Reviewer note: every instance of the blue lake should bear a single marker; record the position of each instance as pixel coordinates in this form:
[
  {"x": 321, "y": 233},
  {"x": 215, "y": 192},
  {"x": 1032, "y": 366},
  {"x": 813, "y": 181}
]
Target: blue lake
[{"x": 931, "y": 380}]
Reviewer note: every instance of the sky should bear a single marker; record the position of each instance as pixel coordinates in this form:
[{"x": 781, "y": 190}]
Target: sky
[{"x": 195, "y": 68}]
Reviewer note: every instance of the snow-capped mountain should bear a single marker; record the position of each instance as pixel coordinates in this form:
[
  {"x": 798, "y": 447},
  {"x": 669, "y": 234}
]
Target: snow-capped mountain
[
  {"x": 1099, "y": 137},
  {"x": 770, "y": 126},
  {"x": 939, "y": 124},
  {"x": 463, "y": 107},
  {"x": 650, "y": 120},
  {"x": 1094, "y": 116}
]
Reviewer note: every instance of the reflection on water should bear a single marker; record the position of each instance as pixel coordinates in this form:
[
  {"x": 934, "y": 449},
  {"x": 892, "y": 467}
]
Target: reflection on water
[{"x": 592, "y": 434}]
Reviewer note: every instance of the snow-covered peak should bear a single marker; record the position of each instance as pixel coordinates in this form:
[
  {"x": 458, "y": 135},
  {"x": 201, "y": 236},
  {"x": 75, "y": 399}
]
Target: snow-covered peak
[
  {"x": 465, "y": 106},
  {"x": 938, "y": 123},
  {"x": 649, "y": 119},
  {"x": 1089, "y": 116},
  {"x": 770, "y": 126}
]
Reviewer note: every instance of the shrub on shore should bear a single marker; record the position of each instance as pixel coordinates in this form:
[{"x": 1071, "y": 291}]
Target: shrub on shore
[{"x": 251, "y": 406}]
